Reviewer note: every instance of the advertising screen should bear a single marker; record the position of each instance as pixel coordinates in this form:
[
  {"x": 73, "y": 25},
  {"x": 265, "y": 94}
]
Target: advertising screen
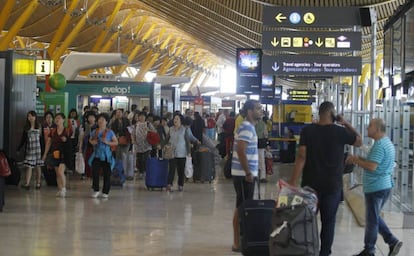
[{"x": 249, "y": 74}]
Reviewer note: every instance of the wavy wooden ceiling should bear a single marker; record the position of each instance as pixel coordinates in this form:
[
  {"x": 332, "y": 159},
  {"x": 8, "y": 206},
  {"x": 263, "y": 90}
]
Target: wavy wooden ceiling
[{"x": 198, "y": 35}]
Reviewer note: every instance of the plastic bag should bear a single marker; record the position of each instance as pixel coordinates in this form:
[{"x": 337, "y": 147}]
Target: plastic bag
[
  {"x": 79, "y": 163},
  {"x": 290, "y": 195},
  {"x": 188, "y": 171}
]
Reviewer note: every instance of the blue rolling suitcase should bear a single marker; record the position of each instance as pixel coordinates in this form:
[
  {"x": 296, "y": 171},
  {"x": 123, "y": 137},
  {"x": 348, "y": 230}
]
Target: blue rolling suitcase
[
  {"x": 118, "y": 178},
  {"x": 157, "y": 173}
]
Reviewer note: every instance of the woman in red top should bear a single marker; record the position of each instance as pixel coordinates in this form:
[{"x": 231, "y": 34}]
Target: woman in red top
[{"x": 58, "y": 144}]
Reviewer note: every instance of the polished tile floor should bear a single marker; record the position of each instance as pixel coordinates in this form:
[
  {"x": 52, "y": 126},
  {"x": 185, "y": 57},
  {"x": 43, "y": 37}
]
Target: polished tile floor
[{"x": 134, "y": 221}]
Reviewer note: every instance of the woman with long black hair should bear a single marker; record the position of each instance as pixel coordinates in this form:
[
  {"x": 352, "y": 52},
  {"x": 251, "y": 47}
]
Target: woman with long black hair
[{"x": 32, "y": 141}]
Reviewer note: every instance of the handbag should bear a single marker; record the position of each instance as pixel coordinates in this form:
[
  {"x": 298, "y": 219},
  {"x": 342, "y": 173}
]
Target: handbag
[
  {"x": 153, "y": 138},
  {"x": 188, "y": 170},
  {"x": 168, "y": 151},
  {"x": 4, "y": 165},
  {"x": 124, "y": 140},
  {"x": 56, "y": 154}
]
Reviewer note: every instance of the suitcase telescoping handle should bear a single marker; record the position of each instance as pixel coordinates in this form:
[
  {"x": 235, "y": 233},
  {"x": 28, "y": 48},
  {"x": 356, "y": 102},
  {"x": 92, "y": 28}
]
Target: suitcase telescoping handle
[{"x": 255, "y": 179}]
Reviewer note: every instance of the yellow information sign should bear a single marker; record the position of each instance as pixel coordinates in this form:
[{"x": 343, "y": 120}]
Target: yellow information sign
[
  {"x": 309, "y": 18},
  {"x": 44, "y": 67},
  {"x": 298, "y": 42},
  {"x": 330, "y": 42},
  {"x": 285, "y": 41},
  {"x": 23, "y": 67}
]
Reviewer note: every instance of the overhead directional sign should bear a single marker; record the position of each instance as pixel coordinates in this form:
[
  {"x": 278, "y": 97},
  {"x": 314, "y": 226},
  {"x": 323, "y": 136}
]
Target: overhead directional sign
[
  {"x": 301, "y": 95},
  {"x": 311, "y": 40},
  {"x": 311, "y": 65},
  {"x": 311, "y": 16}
]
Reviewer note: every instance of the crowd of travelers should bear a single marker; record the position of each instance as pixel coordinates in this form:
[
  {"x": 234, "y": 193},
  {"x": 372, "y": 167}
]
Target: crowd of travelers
[{"x": 103, "y": 140}]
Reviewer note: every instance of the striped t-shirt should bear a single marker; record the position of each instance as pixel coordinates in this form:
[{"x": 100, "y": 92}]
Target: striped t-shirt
[
  {"x": 382, "y": 153},
  {"x": 247, "y": 133}
]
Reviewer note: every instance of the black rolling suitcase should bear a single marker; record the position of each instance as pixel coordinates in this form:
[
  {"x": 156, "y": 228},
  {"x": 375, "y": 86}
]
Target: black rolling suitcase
[
  {"x": 204, "y": 168},
  {"x": 50, "y": 176},
  {"x": 294, "y": 232},
  {"x": 255, "y": 218},
  {"x": 14, "y": 177}
]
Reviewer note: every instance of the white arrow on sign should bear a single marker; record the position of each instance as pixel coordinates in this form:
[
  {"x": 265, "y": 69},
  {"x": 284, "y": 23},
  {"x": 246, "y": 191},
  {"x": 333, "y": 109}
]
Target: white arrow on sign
[{"x": 275, "y": 67}]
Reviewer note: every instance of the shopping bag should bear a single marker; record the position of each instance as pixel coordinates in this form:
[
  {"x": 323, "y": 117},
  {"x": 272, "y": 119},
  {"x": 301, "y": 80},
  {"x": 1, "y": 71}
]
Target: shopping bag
[
  {"x": 188, "y": 171},
  {"x": 79, "y": 163}
]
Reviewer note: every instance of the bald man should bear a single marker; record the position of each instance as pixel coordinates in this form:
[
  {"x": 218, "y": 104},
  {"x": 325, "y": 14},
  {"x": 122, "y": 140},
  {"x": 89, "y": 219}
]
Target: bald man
[{"x": 377, "y": 183}]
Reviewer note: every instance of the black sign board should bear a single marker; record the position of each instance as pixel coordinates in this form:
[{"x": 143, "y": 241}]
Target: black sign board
[
  {"x": 311, "y": 41},
  {"x": 311, "y": 16},
  {"x": 311, "y": 65},
  {"x": 249, "y": 73},
  {"x": 301, "y": 95}
]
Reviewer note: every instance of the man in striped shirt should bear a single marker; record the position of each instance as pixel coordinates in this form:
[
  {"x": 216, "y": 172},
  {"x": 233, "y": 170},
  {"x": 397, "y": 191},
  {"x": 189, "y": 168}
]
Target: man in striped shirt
[
  {"x": 377, "y": 183},
  {"x": 245, "y": 162}
]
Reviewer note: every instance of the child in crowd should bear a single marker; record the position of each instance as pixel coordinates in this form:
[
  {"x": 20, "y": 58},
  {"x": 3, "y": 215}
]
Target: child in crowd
[{"x": 269, "y": 160}]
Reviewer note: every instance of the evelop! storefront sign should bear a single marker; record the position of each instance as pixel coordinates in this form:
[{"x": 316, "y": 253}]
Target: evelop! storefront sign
[{"x": 116, "y": 90}]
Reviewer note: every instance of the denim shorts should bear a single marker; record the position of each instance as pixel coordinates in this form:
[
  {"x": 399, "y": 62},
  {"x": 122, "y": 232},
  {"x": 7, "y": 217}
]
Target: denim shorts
[{"x": 53, "y": 162}]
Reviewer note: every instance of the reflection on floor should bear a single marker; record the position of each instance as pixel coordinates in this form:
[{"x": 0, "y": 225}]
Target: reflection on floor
[{"x": 134, "y": 221}]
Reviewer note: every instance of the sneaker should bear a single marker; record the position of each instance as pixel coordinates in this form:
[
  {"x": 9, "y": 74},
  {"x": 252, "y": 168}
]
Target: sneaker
[
  {"x": 95, "y": 194},
  {"x": 180, "y": 188},
  {"x": 395, "y": 248},
  {"x": 364, "y": 253},
  {"x": 169, "y": 188},
  {"x": 61, "y": 193},
  {"x": 105, "y": 195}
]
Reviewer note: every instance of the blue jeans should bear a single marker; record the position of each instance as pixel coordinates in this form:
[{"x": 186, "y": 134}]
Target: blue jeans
[
  {"x": 210, "y": 132},
  {"x": 328, "y": 206},
  {"x": 374, "y": 202}
]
